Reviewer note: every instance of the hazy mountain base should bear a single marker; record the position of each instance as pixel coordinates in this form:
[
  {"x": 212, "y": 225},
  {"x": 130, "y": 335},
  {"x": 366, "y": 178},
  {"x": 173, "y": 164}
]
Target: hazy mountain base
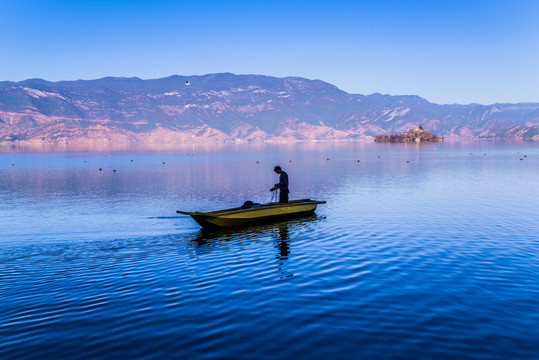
[
  {"x": 227, "y": 107},
  {"x": 63, "y": 133},
  {"x": 68, "y": 133}
]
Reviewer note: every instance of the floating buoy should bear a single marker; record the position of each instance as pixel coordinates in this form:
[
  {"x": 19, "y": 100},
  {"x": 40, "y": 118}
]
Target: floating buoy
[
  {"x": 358, "y": 161},
  {"x": 100, "y": 169},
  {"x": 407, "y": 161}
]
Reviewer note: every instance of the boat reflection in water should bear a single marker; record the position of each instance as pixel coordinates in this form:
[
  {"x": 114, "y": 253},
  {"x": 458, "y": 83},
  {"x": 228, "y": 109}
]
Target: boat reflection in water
[{"x": 282, "y": 234}]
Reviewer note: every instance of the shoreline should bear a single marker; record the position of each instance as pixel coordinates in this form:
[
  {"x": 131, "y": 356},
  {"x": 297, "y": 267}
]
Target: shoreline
[{"x": 107, "y": 146}]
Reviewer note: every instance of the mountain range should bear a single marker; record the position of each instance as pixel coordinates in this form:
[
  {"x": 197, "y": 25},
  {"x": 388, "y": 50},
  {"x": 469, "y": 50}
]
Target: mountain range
[{"x": 228, "y": 107}]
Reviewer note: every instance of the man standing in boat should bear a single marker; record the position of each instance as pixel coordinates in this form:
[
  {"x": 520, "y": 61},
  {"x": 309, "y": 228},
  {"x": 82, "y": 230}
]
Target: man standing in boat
[{"x": 282, "y": 185}]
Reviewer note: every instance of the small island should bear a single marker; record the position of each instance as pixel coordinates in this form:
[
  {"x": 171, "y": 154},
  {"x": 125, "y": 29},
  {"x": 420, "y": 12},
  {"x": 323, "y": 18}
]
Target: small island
[{"x": 417, "y": 135}]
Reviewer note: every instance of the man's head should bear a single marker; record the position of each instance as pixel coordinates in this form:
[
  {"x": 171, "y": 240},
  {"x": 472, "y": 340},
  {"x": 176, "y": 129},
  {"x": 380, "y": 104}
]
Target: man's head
[{"x": 277, "y": 169}]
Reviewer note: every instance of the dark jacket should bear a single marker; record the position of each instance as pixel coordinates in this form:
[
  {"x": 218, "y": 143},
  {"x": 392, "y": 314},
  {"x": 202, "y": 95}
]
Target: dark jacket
[{"x": 283, "y": 182}]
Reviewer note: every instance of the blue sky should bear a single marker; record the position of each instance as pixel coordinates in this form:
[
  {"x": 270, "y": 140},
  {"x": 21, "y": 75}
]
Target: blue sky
[{"x": 445, "y": 51}]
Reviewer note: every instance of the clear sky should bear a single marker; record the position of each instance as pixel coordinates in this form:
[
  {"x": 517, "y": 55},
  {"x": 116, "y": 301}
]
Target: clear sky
[{"x": 448, "y": 51}]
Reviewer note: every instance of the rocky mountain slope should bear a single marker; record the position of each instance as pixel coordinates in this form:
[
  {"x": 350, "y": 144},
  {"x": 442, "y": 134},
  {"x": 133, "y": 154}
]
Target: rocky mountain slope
[{"x": 227, "y": 107}]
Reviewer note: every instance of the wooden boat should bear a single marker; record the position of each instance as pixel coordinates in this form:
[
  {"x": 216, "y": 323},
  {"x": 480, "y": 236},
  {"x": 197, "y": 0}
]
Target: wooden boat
[{"x": 264, "y": 213}]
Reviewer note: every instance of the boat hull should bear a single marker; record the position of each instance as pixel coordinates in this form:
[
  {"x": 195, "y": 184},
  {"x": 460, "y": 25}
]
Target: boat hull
[{"x": 266, "y": 213}]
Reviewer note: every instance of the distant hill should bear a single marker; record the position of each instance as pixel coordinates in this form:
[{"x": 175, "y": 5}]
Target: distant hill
[{"x": 228, "y": 107}]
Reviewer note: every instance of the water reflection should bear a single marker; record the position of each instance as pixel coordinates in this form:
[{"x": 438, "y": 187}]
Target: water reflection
[
  {"x": 282, "y": 238},
  {"x": 282, "y": 234},
  {"x": 280, "y": 231},
  {"x": 282, "y": 241}
]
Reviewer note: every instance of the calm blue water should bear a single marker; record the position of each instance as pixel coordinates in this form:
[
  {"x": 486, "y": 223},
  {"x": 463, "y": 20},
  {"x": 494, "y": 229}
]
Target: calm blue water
[{"x": 421, "y": 252}]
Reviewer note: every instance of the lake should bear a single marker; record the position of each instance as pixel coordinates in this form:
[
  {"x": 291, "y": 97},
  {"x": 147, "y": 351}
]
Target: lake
[{"x": 421, "y": 252}]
